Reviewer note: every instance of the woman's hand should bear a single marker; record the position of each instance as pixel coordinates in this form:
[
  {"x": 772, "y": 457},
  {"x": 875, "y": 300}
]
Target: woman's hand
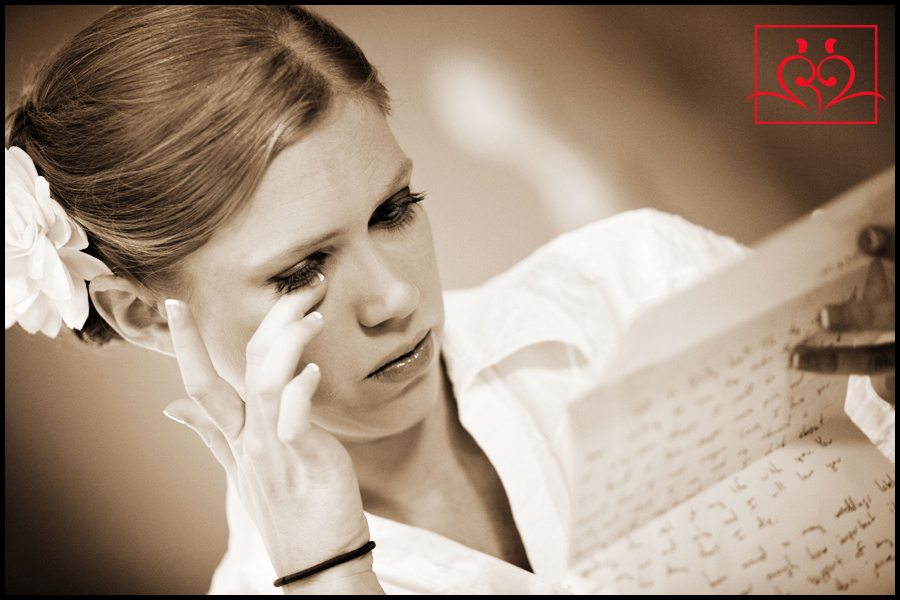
[
  {"x": 295, "y": 479},
  {"x": 874, "y": 311}
]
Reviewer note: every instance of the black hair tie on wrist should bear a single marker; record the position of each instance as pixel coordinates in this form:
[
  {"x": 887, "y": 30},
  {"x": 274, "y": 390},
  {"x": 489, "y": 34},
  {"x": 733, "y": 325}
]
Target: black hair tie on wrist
[{"x": 325, "y": 565}]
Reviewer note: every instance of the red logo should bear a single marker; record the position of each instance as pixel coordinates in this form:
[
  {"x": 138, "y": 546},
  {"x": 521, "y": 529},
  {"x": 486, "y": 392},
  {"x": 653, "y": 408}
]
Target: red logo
[{"x": 816, "y": 74}]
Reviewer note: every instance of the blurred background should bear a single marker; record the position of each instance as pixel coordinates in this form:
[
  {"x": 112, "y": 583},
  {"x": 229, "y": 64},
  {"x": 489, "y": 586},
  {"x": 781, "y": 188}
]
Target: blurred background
[{"x": 524, "y": 122}]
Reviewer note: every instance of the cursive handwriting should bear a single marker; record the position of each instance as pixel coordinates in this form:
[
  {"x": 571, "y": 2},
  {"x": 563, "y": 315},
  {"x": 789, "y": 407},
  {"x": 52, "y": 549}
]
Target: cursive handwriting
[
  {"x": 880, "y": 563},
  {"x": 850, "y": 504},
  {"x": 788, "y": 568},
  {"x": 885, "y": 484},
  {"x": 824, "y": 573},
  {"x": 817, "y": 553},
  {"x": 757, "y": 559},
  {"x": 814, "y": 528},
  {"x": 714, "y": 582}
]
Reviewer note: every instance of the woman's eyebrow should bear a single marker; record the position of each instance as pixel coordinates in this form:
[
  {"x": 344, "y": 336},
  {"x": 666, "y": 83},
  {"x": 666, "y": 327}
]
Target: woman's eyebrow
[{"x": 403, "y": 173}]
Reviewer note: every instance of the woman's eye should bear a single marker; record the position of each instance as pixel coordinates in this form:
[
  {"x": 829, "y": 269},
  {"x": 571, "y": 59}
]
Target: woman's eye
[
  {"x": 392, "y": 215},
  {"x": 301, "y": 277},
  {"x": 397, "y": 211}
]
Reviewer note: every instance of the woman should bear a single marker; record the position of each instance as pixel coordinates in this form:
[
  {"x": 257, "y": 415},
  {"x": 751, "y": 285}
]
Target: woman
[{"x": 253, "y": 218}]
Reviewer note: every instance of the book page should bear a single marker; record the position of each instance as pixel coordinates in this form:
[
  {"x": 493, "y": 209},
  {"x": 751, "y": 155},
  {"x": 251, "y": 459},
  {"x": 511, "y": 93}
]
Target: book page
[
  {"x": 713, "y": 399},
  {"x": 813, "y": 517}
]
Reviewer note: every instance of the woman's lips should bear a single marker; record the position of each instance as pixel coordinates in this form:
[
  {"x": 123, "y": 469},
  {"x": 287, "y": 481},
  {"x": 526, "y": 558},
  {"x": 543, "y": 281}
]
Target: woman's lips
[{"x": 409, "y": 364}]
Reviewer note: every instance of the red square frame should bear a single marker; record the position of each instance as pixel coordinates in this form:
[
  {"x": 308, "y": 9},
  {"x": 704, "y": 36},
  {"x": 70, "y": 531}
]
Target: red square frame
[{"x": 756, "y": 80}]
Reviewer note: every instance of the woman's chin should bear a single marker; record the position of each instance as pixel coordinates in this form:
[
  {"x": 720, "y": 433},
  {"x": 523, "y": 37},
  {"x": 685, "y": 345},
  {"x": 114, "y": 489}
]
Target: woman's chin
[{"x": 385, "y": 417}]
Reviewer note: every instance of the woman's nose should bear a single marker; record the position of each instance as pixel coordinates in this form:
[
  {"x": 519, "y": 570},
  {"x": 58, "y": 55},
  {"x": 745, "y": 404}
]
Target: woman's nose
[{"x": 383, "y": 293}]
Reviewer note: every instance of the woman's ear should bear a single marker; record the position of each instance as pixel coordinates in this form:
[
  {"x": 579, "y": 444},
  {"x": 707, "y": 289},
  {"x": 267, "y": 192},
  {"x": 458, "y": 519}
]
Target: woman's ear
[{"x": 132, "y": 312}]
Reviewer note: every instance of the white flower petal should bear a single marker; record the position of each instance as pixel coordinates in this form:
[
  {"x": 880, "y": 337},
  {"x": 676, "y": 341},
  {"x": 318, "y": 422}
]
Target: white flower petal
[
  {"x": 19, "y": 226},
  {"x": 27, "y": 240},
  {"x": 14, "y": 227},
  {"x": 54, "y": 277},
  {"x": 10, "y": 317},
  {"x": 13, "y": 223},
  {"x": 67, "y": 306},
  {"x": 77, "y": 309},
  {"x": 23, "y": 305},
  {"x": 36, "y": 258},
  {"x": 19, "y": 168},
  {"x": 44, "y": 202},
  {"x": 32, "y": 320},
  {"x": 77, "y": 237},
  {"x": 19, "y": 158},
  {"x": 16, "y": 290},
  {"x": 14, "y": 183},
  {"x": 52, "y": 323},
  {"x": 83, "y": 265},
  {"x": 59, "y": 226},
  {"x": 24, "y": 203},
  {"x": 18, "y": 285}
]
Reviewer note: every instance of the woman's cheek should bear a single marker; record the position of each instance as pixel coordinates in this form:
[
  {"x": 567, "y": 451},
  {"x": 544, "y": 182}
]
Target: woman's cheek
[
  {"x": 228, "y": 344},
  {"x": 428, "y": 280}
]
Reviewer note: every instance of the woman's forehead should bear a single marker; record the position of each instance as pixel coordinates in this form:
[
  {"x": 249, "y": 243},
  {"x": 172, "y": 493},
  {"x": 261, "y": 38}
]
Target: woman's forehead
[
  {"x": 335, "y": 174},
  {"x": 350, "y": 147}
]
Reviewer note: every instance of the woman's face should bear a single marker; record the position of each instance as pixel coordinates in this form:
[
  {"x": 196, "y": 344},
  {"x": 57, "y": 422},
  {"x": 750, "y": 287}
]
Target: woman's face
[{"x": 339, "y": 203}]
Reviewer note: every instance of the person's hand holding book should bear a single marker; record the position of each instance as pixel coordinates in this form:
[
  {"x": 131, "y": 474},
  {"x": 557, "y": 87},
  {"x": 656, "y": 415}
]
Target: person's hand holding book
[{"x": 874, "y": 311}]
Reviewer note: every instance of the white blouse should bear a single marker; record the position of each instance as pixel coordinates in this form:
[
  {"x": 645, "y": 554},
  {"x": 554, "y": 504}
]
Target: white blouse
[{"x": 518, "y": 349}]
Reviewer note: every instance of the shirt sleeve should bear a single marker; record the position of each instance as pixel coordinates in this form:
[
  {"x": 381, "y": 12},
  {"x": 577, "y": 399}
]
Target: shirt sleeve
[
  {"x": 576, "y": 297},
  {"x": 647, "y": 255},
  {"x": 604, "y": 275},
  {"x": 874, "y": 416}
]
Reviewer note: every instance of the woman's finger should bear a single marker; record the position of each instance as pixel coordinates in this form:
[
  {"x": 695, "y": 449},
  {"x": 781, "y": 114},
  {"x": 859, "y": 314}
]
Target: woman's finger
[
  {"x": 878, "y": 241},
  {"x": 857, "y": 315},
  {"x": 201, "y": 381},
  {"x": 187, "y": 411},
  {"x": 293, "y": 416},
  {"x": 288, "y": 308},
  {"x": 873, "y": 312},
  {"x": 875, "y": 359},
  {"x": 280, "y": 364}
]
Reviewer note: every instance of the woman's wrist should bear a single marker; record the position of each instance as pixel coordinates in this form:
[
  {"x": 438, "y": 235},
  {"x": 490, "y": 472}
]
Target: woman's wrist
[{"x": 352, "y": 577}]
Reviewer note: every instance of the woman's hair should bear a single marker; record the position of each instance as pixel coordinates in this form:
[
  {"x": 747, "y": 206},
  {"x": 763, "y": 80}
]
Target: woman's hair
[{"x": 156, "y": 123}]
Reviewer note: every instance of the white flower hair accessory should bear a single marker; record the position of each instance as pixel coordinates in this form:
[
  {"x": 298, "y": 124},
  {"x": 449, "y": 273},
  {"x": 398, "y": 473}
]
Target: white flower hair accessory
[{"x": 45, "y": 268}]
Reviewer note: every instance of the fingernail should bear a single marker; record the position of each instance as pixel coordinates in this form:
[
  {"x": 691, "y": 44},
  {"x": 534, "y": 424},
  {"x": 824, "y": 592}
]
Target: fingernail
[
  {"x": 856, "y": 315},
  {"x": 316, "y": 315},
  {"x": 175, "y": 311},
  {"x": 873, "y": 240},
  {"x": 817, "y": 360},
  {"x": 312, "y": 368},
  {"x": 176, "y": 419}
]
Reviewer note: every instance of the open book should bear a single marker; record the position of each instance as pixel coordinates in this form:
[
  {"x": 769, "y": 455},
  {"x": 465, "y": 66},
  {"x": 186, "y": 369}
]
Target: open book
[{"x": 703, "y": 463}]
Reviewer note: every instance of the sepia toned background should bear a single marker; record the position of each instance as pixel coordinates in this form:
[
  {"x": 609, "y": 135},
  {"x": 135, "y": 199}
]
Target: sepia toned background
[{"x": 523, "y": 122}]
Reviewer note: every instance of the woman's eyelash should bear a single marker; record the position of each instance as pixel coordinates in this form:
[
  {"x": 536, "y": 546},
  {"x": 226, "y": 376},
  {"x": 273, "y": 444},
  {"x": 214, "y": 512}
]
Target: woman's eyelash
[
  {"x": 302, "y": 277},
  {"x": 397, "y": 212},
  {"x": 394, "y": 214}
]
